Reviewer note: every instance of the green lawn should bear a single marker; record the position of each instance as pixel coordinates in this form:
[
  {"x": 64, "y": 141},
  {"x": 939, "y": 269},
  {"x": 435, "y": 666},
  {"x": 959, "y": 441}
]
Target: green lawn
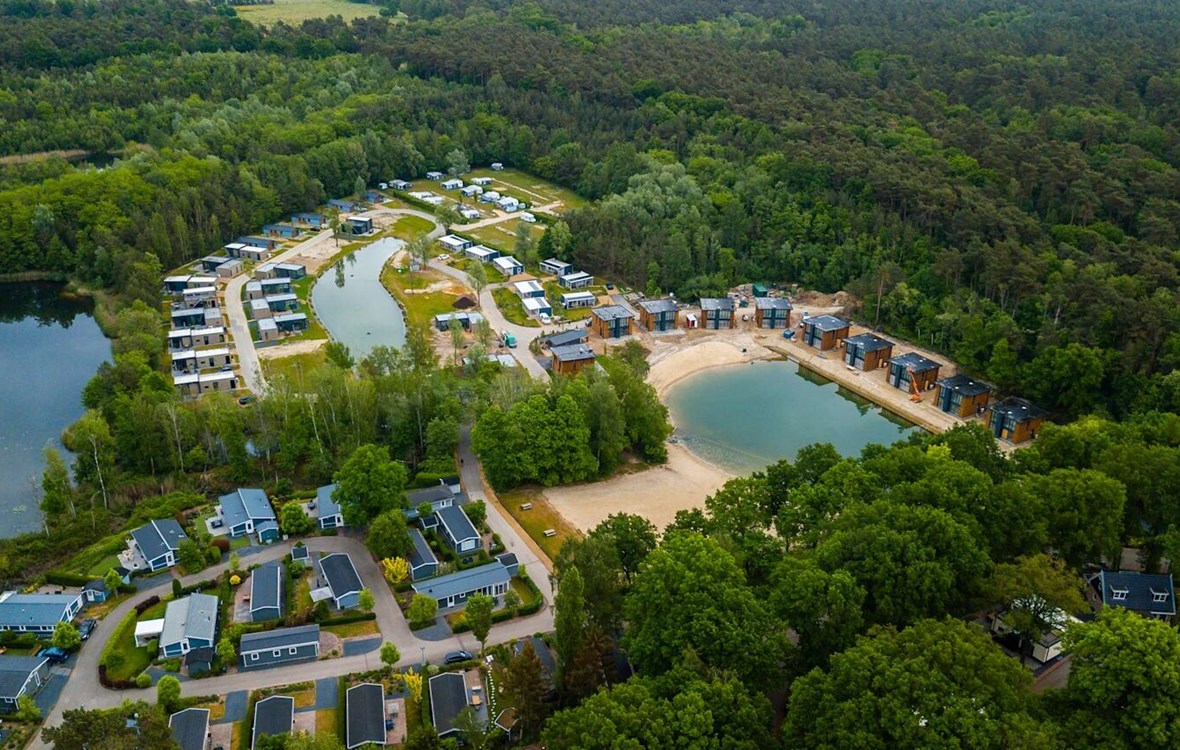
[
  {"x": 512, "y": 308},
  {"x": 409, "y": 227},
  {"x": 420, "y": 308},
  {"x": 353, "y": 629},
  {"x": 502, "y": 236},
  {"x": 292, "y": 366},
  {"x": 528, "y": 188},
  {"x": 491, "y": 272},
  {"x": 553, "y": 292},
  {"x": 537, "y": 519},
  {"x": 103, "y": 566},
  {"x": 296, "y": 12},
  {"x": 123, "y": 659}
]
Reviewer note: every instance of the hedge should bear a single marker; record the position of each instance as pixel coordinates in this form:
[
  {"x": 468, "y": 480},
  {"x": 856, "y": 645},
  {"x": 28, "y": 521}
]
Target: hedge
[
  {"x": 146, "y": 604},
  {"x": 349, "y": 617},
  {"x": 62, "y": 578},
  {"x": 113, "y": 684}
]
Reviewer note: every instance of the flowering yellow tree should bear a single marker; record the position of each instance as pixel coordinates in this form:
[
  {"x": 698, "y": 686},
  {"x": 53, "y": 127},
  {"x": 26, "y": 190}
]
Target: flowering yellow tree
[
  {"x": 395, "y": 569},
  {"x": 413, "y": 684}
]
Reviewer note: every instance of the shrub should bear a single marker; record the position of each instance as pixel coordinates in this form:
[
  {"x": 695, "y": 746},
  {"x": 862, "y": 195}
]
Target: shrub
[
  {"x": 146, "y": 604},
  {"x": 222, "y": 544},
  {"x": 62, "y": 578},
  {"x": 143, "y": 680}
]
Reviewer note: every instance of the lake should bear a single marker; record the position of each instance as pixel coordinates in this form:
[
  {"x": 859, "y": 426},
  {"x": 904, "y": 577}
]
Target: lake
[
  {"x": 352, "y": 304},
  {"x": 747, "y": 416},
  {"x": 50, "y": 346}
]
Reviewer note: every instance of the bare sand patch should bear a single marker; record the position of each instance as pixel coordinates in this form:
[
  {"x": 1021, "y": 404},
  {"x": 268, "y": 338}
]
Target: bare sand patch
[
  {"x": 655, "y": 493},
  {"x": 290, "y": 349}
]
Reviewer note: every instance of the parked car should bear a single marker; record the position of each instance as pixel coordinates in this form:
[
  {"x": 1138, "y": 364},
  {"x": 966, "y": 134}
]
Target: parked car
[
  {"x": 454, "y": 657},
  {"x": 444, "y": 257},
  {"x": 87, "y": 627},
  {"x": 55, "y": 655}
]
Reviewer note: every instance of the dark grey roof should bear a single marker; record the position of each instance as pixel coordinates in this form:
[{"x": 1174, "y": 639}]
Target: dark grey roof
[
  {"x": 365, "y": 715},
  {"x": 565, "y": 338},
  {"x": 659, "y": 305},
  {"x": 464, "y": 581},
  {"x": 448, "y": 696},
  {"x": 826, "y": 323},
  {"x": 915, "y": 362},
  {"x": 572, "y": 353},
  {"x": 190, "y": 727},
  {"x": 280, "y": 638},
  {"x": 428, "y": 495},
  {"x": 194, "y": 616},
  {"x": 772, "y": 303},
  {"x": 870, "y": 342},
  {"x": 544, "y": 653},
  {"x": 202, "y": 655},
  {"x": 15, "y": 671},
  {"x": 264, "y": 586},
  {"x": 716, "y": 303},
  {"x": 508, "y": 559},
  {"x": 273, "y": 715},
  {"x": 420, "y": 552},
  {"x": 612, "y": 312},
  {"x": 159, "y": 537},
  {"x": 341, "y": 574},
  {"x": 1019, "y": 408},
  {"x": 965, "y": 385},
  {"x": 95, "y": 585},
  {"x": 456, "y": 522},
  {"x": 245, "y": 504},
  {"x": 1140, "y": 591},
  {"x": 299, "y": 552}
]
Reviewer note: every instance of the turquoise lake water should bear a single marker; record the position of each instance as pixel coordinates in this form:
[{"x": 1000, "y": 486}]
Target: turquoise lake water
[
  {"x": 353, "y": 305},
  {"x": 747, "y": 416},
  {"x": 50, "y": 346}
]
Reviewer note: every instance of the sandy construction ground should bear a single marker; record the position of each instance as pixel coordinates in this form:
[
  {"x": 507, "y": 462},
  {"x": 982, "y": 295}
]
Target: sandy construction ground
[
  {"x": 290, "y": 349},
  {"x": 656, "y": 493}
]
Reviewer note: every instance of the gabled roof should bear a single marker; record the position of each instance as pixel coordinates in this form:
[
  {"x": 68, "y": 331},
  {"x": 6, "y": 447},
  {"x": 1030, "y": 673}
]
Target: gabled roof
[
  {"x": 576, "y": 276},
  {"x": 457, "y": 523},
  {"x": 202, "y": 655},
  {"x": 273, "y": 715},
  {"x": 870, "y": 342},
  {"x": 194, "y": 616},
  {"x": 464, "y": 581},
  {"x": 190, "y": 728},
  {"x": 15, "y": 671},
  {"x": 565, "y": 338},
  {"x": 1139, "y": 591},
  {"x": 826, "y": 323},
  {"x": 159, "y": 537},
  {"x": 655, "y": 306},
  {"x": 612, "y": 312},
  {"x": 772, "y": 303},
  {"x": 420, "y": 552},
  {"x": 572, "y": 353},
  {"x": 340, "y": 574},
  {"x": 279, "y": 638},
  {"x": 915, "y": 362},
  {"x": 965, "y": 385},
  {"x": 32, "y": 610},
  {"x": 265, "y": 583},
  {"x": 716, "y": 303},
  {"x": 448, "y": 696},
  {"x": 365, "y": 715},
  {"x": 245, "y": 504},
  {"x": 430, "y": 494},
  {"x": 325, "y": 505},
  {"x": 1018, "y": 408}
]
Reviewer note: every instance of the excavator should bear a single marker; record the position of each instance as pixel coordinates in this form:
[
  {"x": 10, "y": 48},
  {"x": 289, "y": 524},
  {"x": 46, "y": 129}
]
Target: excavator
[{"x": 915, "y": 394}]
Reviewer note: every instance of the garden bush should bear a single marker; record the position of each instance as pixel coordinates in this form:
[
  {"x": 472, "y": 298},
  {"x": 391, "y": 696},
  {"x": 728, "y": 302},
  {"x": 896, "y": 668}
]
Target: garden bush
[{"x": 143, "y": 680}]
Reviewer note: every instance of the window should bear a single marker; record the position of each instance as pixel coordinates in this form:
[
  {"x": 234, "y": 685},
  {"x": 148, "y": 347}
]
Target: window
[
  {"x": 254, "y": 656},
  {"x": 1118, "y": 594},
  {"x": 293, "y": 650},
  {"x": 1159, "y": 596},
  {"x": 277, "y": 652}
]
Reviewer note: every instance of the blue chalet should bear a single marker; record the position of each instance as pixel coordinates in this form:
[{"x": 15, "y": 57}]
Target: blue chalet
[
  {"x": 309, "y": 220},
  {"x": 265, "y": 243},
  {"x": 267, "y": 592},
  {"x": 157, "y": 543},
  {"x": 327, "y": 509},
  {"x": 345, "y": 204},
  {"x": 451, "y": 590},
  {"x": 272, "y": 716},
  {"x": 248, "y": 511},
  {"x": 457, "y": 529},
  {"x": 37, "y": 613},
  {"x": 293, "y": 271},
  {"x": 423, "y": 563},
  {"x": 274, "y": 648},
  {"x": 285, "y": 231},
  {"x": 20, "y": 675},
  {"x": 339, "y": 575},
  {"x": 1150, "y": 595},
  {"x": 189, "y": 623},
  {"x": 291, "y": 322},
  {"x": 190, "y": 728},
  {"x": 360, "y": 225}
]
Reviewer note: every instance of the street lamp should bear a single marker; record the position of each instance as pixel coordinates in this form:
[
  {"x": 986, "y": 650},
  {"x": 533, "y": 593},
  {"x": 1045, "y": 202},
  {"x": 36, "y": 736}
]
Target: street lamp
[{"x": 423, "y": 650}]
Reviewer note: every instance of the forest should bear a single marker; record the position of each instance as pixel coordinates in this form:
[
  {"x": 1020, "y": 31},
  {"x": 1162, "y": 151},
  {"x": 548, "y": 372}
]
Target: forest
[{"x": 995, "y": 179}]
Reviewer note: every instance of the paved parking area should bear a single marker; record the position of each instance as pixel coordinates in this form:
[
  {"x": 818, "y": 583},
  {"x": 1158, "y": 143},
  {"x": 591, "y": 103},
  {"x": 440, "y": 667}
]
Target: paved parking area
[
  {"x": 235, "y": 707},
  {"x": 49, "y": 693},
  {"x": 356, "y": 646},
  {"x": 327, "y": 693}
]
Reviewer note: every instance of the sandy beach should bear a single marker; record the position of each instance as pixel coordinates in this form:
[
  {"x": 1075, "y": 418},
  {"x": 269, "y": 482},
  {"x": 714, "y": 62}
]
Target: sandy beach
[{"x": 656, "y": 493}]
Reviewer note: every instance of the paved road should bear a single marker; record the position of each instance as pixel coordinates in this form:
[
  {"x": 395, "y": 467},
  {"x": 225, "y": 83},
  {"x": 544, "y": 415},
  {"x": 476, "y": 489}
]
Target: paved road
[{"x": 85, "y": 691}]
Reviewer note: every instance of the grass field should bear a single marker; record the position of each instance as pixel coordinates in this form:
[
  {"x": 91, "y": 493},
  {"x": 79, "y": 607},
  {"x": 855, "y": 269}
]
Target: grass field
[
  {"x": 297, "y": 11},
  {"x": 537, "y": 519},
  {"x": 353, "y": 629},
  {"x": 103, "y": 566},
  {"x": 420, "y": 308},
  {"x": 512, "y": 308},
  {"x": 553, "y": 292},
  {"x": 292, "y": 366},
  {"x": 123, "y": 659},
  {"x": 502, "y": 236},
  {"x": 528, "y": 188},
  {"x": 325, "y": 721},
  {"x": 409, "y": 227}
]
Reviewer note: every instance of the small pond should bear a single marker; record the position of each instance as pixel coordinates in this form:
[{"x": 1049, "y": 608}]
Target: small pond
[
  {"x": 352, "y": 304},
  {"x": 747, "y": 416}
]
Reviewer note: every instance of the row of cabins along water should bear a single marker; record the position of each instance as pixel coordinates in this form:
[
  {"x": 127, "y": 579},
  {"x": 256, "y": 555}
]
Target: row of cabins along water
[{"x": 1012, "y": 419}]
